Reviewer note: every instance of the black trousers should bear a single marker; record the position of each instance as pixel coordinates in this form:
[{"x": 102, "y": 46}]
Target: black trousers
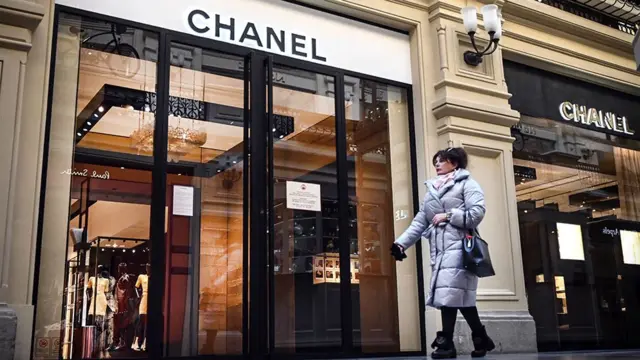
[{"x": 449, "y": 315}]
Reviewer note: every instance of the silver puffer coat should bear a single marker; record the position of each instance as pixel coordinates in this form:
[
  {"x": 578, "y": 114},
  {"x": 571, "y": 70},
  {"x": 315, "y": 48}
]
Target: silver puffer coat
[{"x": 451, "y": 285}]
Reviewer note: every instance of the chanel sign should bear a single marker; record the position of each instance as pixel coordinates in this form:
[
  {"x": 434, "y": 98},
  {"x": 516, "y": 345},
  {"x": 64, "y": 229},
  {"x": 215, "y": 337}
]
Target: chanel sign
[{"x": 595, "y": 118}]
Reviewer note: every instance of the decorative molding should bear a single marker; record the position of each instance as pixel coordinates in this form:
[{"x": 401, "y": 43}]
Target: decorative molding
[
  {"x": 440, "y": 5},
  {"x": 362, "y": 10},
  {"x": 422, "y": 5},
  {"x": 500, "y": 3},
  {"x": 472, "y": 88},
  {"x": 449, "y": 106},
  {"x": 505, "y": 315},
  {"x": 14, "y": 44},
  {"x": 18, "y": 18},
  {"x": 497, "y": 295},
  {"x": 442, "y": 46},
  {"x": 447, "y": 12},
  {"x": 21, "y": 13},
  {"x": 13, "y": 181},
  {"x": 457, "y": 129},
  {"x": 574, "y": 54},
  {"x": 542, "y": 16}
]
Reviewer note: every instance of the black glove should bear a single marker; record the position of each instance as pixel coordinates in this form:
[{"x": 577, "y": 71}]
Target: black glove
[{"x": 397, "y": 252}]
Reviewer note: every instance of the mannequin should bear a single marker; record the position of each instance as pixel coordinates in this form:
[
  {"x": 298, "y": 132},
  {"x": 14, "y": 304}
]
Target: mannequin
[
  {"x": 141, "y": 332},
  {"x": 122, "y": 318},
  {"x": 98, "y": 308}
]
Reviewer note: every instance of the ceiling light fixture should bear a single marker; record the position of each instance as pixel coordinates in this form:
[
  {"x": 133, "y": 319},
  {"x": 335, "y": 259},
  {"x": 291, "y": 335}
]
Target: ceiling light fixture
[{"x": 181, "y": 140}]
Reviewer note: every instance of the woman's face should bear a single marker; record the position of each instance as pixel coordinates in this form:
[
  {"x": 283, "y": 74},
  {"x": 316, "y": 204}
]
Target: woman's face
[{"x": 443, "y": 166}]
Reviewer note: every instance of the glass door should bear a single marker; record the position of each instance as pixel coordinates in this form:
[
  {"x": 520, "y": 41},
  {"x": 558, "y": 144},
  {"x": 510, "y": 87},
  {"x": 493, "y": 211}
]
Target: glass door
[
  {"x": 205, "y": 291},
  {"x": 216, "y": 200},
  {"x": 339, "y": 194},
  {"x": 305, "y": 282}
]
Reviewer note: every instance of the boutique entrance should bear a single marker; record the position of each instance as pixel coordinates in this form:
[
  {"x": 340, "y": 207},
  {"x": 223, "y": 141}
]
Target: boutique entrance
[{"x": 223, "y": 201}]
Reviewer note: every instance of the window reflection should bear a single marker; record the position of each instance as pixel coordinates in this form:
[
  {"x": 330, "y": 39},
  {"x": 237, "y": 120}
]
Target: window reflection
[
  {"x": 306, "y": 303},
  {"x": 578, "y": 194},
  {"x": 205, "y": 243},
  {"x": 98, "y": 194},
  {"x": 381, "y": 200}
]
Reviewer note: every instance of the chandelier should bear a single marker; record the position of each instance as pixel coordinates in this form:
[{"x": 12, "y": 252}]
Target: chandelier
[{"x": 181, "y": 140}]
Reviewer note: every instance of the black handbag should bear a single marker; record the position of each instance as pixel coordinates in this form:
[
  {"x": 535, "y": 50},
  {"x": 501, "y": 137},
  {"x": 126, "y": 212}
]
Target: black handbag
[{"x": 476, "y": 256}]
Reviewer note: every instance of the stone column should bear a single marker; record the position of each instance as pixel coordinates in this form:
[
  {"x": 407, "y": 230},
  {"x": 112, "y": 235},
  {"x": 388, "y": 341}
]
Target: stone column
[
  {"x": 471, "y": 110},
  {"x": 24, "y": 59}
]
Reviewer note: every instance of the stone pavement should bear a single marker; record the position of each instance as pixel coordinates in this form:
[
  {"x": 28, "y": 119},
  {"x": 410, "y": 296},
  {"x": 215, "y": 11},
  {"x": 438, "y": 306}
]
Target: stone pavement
[{"x": 615, "y": 355}]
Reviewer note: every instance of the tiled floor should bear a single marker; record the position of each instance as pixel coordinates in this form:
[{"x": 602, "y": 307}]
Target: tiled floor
[{"x": 617, "y": 355}]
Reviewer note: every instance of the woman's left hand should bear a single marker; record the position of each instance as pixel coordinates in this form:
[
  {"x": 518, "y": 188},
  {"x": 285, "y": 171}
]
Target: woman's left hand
[{"x": 439, "y": 218}]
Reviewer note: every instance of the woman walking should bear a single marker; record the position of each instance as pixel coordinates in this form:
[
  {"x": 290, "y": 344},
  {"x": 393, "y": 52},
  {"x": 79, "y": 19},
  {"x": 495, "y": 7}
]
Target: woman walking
[{"x": 453, "y": 206}]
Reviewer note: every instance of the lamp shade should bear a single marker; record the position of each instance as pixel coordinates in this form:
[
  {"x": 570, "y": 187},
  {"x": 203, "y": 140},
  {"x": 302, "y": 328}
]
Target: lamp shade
[
  {"x": 470, "y": 18},
  {"x": 498, "y": 34},
  {"x": 490, "y": 17}
]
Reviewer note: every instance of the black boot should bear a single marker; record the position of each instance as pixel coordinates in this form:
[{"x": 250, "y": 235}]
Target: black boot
[
  {"x": 444, "y": 347},
  {"x": 481, "y": 343}
]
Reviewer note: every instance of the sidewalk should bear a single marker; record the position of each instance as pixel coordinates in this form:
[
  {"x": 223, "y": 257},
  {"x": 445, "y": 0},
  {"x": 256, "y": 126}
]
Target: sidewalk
[{"x": 617, "y": 355}]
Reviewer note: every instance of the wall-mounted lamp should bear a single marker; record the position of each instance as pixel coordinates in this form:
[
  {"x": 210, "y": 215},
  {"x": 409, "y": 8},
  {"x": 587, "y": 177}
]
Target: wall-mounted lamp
[{"x": 491, "y": 23}]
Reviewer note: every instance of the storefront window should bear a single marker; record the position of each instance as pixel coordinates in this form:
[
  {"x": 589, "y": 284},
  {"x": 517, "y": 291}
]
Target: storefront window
[
  {"x": 94, "y": 269},
  {"x": 578, "y": 196},
  {"x": 98, "y": 292},
  {"x": 576, "y": 160},
  {"x": 385, "y": 299},
  {"x": 306, "y": 280}
]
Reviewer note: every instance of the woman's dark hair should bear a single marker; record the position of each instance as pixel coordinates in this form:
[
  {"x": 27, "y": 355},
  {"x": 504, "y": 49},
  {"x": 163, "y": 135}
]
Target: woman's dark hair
[{"x": 456, "y": 156}]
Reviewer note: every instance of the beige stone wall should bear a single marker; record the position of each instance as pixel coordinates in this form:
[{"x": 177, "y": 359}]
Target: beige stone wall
[
  {"x": 454, "y": 104},
  {"x": 24, "y": 69}
]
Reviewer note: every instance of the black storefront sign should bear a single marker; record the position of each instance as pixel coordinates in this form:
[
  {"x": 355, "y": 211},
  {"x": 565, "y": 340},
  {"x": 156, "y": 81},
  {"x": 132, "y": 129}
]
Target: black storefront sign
[{"x": 538, "y": 93}]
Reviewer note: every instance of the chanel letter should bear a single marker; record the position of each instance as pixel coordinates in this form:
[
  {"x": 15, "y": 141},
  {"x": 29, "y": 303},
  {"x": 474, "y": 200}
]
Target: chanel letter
[{"x": 192, "y": 25}]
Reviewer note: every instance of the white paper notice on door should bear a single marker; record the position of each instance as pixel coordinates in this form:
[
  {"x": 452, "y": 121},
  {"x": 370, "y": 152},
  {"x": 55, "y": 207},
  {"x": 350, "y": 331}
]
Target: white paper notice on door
[
  {"x": 183, "y": 200},
  {"x": 303, "y": 196}
]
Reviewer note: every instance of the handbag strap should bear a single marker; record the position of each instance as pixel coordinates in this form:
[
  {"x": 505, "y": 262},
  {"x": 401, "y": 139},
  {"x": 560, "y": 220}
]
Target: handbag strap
[{"x": 464, "y": 214}]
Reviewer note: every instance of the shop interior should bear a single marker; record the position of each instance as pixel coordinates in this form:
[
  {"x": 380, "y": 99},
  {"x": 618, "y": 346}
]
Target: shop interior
[
  {"x": 109, "y": 247},
  {"x": 578, "y": 195}
]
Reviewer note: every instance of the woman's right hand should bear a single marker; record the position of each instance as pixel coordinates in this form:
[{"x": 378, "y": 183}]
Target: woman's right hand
[{"x": 397, "y": 251}]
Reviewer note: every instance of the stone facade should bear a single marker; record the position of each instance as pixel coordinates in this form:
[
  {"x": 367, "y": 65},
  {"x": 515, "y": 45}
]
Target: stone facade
[
  {"x": 25, "y": 42},
  {"x": 454, "y": 104},
  {"x": 8, "y": 328}
]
